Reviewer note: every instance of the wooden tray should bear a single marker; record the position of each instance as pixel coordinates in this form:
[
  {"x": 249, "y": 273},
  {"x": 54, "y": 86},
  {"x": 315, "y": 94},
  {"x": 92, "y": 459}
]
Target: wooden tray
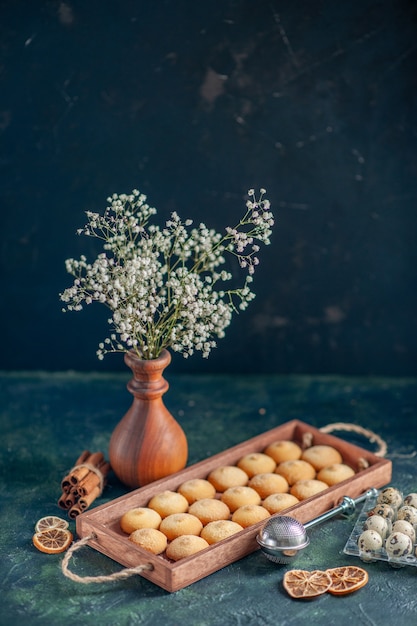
[{"x": 102, "y": 523}]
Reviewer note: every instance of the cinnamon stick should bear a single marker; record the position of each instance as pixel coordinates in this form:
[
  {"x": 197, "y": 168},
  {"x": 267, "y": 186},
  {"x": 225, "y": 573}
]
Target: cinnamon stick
[
  {"x": 80, "y": 472},
  {"x": 74, "y": 511},
  {"x": 86, "y": 500},
  {"x": 84, "y": 483}
]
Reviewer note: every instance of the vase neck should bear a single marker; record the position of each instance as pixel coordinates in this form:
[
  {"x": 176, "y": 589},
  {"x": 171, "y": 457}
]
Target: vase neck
[{"x": 147, "y": 382}]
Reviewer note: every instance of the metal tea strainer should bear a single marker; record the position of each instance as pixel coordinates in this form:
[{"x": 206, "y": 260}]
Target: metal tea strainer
[{"x": 283, "y": 537}]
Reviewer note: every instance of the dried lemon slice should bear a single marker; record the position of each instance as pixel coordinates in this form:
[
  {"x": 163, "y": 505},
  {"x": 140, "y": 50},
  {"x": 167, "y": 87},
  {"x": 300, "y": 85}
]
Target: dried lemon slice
[
  {"x": 300, "y": 583},
  {"x": 52, "y": 541},
  {"x": 50, "y": 521},
  {"x": 346, "y": 579}
]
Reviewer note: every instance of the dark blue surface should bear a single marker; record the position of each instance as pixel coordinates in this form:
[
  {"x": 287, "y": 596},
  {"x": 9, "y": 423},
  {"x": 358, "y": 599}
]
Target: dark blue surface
[
  {"x": 193, "y": 103},
  {"x": 46, "y": 420}
]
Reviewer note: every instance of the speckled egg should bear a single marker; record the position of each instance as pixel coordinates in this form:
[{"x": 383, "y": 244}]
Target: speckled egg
[
  {"x": 402, "y": 526},
  {"x": 411, "y": 500},
  {"x": 378, "y": 523},
  {"x": 409, "y": 513},
  {"x": 398, "y": 545},
  {"x": 385, "y": 510},
  {"x": 369, "y": 541},
  {"x": 390, "y": 496}
]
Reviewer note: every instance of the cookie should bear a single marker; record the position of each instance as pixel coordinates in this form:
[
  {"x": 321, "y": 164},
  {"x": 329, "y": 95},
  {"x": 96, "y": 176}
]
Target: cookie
[
  {"x": 209, "y": 510},
  {"x": 141, "y": 517},
  {"x": 265, "y": 484},
  {"x": 320, "y": 456},
  {"x": 185, "y": 545},
  {"x": 196, "y": 489},
  {"x": 256, "y": 463},
  {"x": 227, "y": 476},
  {"x": 235, "y": 497},
  {"x": 149, "y": 539},
  {"x": 178, "y": 524},
  {"x": 304, "y": 489},
  {"x": 283, "y": 451},
  {"x": 219, "y": 530}
]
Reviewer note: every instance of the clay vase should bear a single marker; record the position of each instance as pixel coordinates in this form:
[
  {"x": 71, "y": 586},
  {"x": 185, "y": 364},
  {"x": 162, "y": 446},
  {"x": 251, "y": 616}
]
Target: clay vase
[{"x": 148, "y": 443}]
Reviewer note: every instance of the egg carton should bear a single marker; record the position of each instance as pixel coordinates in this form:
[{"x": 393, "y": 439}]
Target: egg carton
[{"x": 351, "y": 547}]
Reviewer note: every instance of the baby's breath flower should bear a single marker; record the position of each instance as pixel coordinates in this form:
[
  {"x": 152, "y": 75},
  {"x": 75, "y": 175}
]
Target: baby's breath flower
[{"x": 165, "y": 287}]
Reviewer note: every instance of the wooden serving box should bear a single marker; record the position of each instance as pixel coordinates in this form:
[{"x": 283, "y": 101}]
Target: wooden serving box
[{"x": 102, "y": 524}]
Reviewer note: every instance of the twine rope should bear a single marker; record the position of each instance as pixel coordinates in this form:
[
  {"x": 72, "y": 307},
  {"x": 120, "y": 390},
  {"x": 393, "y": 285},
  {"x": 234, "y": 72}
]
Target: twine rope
[
  {"x": 122, "y": 574},
  {"x": 369, "y": 434},
  {"x": 95, "y": 470}
]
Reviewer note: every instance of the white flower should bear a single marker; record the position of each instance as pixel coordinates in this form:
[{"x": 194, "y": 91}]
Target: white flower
[{"x": 161, "y": 285}]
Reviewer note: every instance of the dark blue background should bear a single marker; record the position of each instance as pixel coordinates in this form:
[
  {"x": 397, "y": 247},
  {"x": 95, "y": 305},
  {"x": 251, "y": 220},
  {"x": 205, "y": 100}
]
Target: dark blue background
[{"x": 193, "y": 103}]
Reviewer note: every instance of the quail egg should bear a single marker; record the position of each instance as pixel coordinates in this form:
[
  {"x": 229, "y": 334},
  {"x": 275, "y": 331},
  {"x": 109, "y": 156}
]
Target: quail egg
[
  {"x": 409, "y": 514},
  {"x": 390, "y": 496},
  {"x": 385, "y": 510},
  {"x": 380, "y": 524},
  {"x": 398, "y": 545},
  {"x": 402, "y": 526},
  {"x": 369, "y": 542},
  {"x": 411, "y": 499}
]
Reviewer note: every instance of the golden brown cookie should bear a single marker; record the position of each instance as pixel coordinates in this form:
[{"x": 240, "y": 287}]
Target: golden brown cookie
[
  {"x": 256, "y": 463},
  {"x": 209, "y": 510},
  {"x": 333, "y": 474},
  {"x": 227, "y": 476},
  {"x": 304, "y": 489},
  {"x": 168, "y": 502},
  {"x": 235, "y": 497},
  {"x": 283, "y": 451},
  {"x": 277, "y": 502},
  {"x": 250, "y": 514},
  {"x": 219, "y": 530},
  {"x": 184, "y": 546},
  {"x": 320, "y": 456},
  {"x": 296, "y": 470},
  {"x": 265, "y": 484},
  {"x": 141, "y": 517},
  {"x": 196, "y": 489},
  {"x": 149, "y": 539},
  {"x": 178, "y": 524}
]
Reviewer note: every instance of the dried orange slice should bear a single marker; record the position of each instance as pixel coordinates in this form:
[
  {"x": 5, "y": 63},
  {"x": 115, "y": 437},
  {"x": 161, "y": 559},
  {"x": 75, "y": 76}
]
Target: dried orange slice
[
  {"x": 52, "y": 541},
  {"x": 346, "y": 579},
  {"x": 300, "y": 583},
  {"x": 50, "y": 521}
]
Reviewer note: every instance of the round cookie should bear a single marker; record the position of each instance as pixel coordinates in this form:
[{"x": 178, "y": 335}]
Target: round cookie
[
  {"x": 250, "y": 514},
  {"x": 283, "y": 451},
  {"x": 235, "y": 497},
  {"x": 304, "y": 489},
  {"x": 141, "y": 517},
  {"x": 196, "y": 489},
  {"x": 256, "y": 463},
  {"x": 185, "y": 545},
  {"x": 178, "y": 524},
  {"x": 168, "y": 502},
  {"x": 296, "y": 470},
  {"x": 333, "y": 474},
  {"x": 149, "y": 539},
  {"x": 227, "y": 476},
  {"x": 277, "y": 502},
  {"x": 268, "y": 483},
  {"x": 219, "y": 530},
  {"x": 320, "y": 456},
  {"x": 209, "y": 510}
]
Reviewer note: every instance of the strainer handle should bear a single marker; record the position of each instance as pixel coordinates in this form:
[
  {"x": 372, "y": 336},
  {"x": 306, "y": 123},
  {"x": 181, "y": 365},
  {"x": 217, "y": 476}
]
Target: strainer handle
[{"x": 347, "y": 506}]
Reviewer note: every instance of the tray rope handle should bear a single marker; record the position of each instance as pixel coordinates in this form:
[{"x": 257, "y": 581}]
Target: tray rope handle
[
  {"x": 121, "y": 575},
  {"x": 382, "y": 447}
]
